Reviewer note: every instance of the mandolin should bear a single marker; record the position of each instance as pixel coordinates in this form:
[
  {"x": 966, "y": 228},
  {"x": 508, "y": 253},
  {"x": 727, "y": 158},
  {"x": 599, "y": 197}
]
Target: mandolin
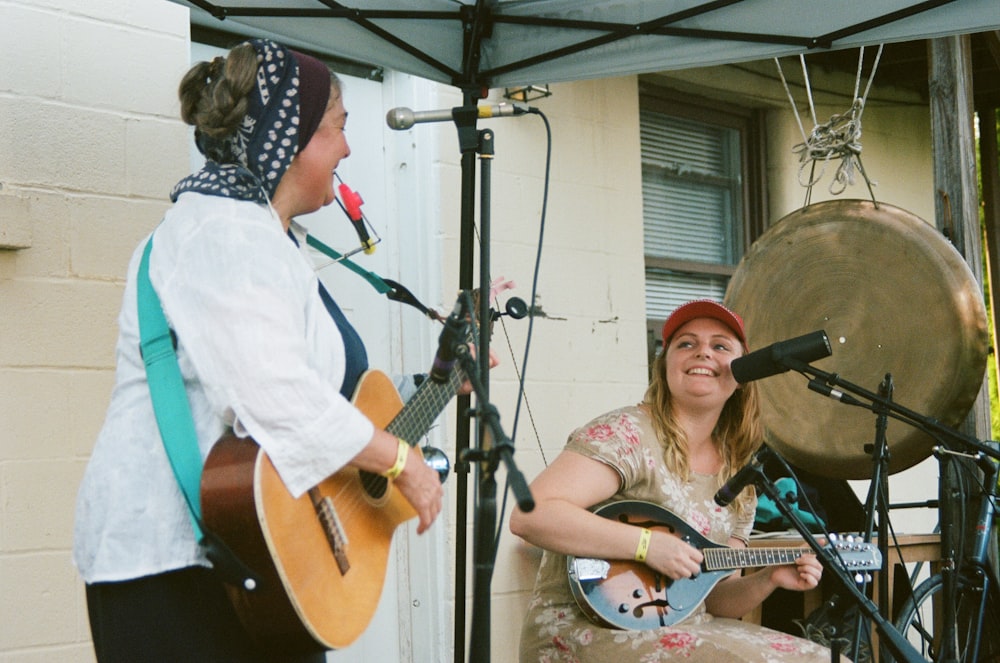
[{"x": 632, "y": 596}]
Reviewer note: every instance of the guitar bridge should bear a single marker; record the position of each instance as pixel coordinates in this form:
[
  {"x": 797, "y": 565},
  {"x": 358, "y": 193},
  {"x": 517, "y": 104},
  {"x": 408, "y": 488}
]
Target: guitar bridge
[{"x": 333, "y": 529}]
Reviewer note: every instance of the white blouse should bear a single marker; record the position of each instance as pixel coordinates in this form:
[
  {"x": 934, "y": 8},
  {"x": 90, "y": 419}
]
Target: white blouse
[{"x": 258, "y": 352}]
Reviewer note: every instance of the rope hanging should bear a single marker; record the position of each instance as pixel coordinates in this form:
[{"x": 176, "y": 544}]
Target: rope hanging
[{"x": 838, "y": 138}]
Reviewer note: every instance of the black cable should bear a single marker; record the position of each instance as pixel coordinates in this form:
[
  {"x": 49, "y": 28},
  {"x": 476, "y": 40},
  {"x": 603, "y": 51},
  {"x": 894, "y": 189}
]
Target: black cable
[{"x": 531, "y": 317}]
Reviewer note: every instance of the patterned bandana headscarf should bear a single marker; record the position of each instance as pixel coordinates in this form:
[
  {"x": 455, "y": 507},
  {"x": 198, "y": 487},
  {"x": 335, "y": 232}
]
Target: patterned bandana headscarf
[{"x": 290, "y": 97}]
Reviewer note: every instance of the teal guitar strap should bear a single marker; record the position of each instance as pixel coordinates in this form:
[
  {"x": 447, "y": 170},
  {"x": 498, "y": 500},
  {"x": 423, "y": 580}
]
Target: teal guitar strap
[
  {"x": 166, "y": 388},
  {"x": 391, "y": 289},
  {"x": 374, "y": 279},
  {"x": 173, "y": 418}
]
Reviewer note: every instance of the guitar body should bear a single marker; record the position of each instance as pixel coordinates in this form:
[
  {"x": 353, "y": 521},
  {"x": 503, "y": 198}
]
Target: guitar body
[
  {"x": 321, "y": 558},
  {"x": 630, "y": 595}
]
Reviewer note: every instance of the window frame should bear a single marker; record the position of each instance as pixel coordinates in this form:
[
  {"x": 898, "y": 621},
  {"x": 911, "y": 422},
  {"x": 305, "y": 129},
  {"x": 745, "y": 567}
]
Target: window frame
[{"x": 749, "y": 122}]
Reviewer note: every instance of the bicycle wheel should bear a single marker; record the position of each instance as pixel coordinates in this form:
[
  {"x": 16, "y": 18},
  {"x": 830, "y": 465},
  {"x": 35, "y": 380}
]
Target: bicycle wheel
[{"x": 920, "y": 620}]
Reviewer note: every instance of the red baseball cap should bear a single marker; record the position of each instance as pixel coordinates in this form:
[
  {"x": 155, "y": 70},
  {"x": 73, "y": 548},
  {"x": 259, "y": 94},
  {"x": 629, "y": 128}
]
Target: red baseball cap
[{"x": 703, "y": 308}]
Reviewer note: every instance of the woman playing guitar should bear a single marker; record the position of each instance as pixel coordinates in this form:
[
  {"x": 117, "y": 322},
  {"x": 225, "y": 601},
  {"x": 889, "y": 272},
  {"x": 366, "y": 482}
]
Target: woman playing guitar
[{"x": 262, "y": 348}]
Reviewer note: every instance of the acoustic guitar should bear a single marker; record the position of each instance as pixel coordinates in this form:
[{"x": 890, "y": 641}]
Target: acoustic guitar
[
  {"x": 632, "y": 596},
  {"x": 321, "y": 559}
]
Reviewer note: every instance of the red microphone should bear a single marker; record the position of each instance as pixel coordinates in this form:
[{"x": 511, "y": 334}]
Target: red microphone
[{"x": 351, "y": 204}]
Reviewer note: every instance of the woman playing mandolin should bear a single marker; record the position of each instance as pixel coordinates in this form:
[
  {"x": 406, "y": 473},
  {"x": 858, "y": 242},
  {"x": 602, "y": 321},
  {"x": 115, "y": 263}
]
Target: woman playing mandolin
[{"x": 695, "y": 428}]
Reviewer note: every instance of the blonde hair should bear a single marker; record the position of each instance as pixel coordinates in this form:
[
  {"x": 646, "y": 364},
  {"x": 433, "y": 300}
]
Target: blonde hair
[{"x": 738, "y": 432}]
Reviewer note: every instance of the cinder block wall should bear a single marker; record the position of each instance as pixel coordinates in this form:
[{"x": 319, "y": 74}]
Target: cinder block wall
[{"x": 89, "y": 147}]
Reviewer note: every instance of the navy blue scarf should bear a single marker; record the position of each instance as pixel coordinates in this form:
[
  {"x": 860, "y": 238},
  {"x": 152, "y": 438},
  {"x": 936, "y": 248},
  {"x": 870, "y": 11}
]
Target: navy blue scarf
[{"x": 248, "y": 164}]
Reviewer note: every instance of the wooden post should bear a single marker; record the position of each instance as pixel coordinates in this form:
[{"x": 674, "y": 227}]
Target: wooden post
[{"x": 956, "y": 203}]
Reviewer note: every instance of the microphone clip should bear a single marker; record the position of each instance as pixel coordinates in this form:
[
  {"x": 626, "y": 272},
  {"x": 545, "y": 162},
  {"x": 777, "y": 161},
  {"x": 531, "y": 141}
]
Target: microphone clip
[{"x": 451, "y": 343}]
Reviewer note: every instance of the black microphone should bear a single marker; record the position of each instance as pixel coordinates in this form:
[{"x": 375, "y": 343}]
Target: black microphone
[
  {"x": 444, "y": 360},
  {"x": 403, "y": 118},
  {"x": 748, "y": 475},
  {"x": 771, "y": 360}
]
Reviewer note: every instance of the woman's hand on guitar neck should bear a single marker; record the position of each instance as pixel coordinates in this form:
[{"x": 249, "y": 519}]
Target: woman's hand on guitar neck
[{"x": 466, "y": 388}]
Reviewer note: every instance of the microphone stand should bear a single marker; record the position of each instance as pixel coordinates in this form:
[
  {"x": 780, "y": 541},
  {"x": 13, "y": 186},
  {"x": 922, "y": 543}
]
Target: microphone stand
[
  {"x": 471, "y": 141},
  {"x": 878, "y": 503},
  {"x": 468, "y": 142},
  {"x": 826, "y": 383},
  {"x": 893, "y": 639},
  {"x": 831, "y": 385},
  {"x": 488, "y": 455}
]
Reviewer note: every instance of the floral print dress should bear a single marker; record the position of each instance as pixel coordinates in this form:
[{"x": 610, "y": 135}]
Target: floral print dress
[{"x": 556, "y": 631}]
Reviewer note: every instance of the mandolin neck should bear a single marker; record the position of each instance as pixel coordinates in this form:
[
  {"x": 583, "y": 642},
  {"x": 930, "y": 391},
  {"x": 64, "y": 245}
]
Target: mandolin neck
[{"x": 720, "y": 559}]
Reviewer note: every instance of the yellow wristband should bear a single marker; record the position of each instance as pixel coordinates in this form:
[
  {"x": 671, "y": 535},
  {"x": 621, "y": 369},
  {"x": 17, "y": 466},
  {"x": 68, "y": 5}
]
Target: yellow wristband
[
  {"x": 402, "y": 451},
  {"x": 640, "y": 550}
]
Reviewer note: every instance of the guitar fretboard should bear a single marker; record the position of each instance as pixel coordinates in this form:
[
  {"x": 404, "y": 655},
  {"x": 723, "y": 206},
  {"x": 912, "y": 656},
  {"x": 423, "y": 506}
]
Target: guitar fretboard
[
  {"x": 718, "y": 559},
  {"x": 414, "y": 420}
]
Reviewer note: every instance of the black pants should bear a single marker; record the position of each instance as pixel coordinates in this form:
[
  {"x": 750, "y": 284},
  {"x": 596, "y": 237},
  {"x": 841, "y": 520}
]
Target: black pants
[{"x": 181, "y": 616}]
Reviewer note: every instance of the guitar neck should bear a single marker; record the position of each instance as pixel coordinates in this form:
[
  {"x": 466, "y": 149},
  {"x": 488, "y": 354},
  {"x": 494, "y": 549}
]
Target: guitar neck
[
  {"x": 420, "y": 412},
  {"x": 720, "y": 559}
]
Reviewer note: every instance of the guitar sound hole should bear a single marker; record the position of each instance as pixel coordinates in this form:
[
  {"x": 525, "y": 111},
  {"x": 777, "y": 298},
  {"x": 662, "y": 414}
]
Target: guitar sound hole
[{"x": 374, "y": 484}]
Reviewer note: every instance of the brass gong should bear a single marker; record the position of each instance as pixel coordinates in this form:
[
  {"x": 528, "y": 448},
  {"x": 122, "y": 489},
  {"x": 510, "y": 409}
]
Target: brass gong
[{"x": 894, "y": 297}]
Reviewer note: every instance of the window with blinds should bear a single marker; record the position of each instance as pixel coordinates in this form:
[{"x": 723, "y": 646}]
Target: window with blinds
[{"x": 696, "y": 207}]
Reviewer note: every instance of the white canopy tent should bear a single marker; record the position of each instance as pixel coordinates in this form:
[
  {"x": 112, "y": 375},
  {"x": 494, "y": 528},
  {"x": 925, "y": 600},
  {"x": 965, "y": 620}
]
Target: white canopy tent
[{"x": 498, "y": 43}]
